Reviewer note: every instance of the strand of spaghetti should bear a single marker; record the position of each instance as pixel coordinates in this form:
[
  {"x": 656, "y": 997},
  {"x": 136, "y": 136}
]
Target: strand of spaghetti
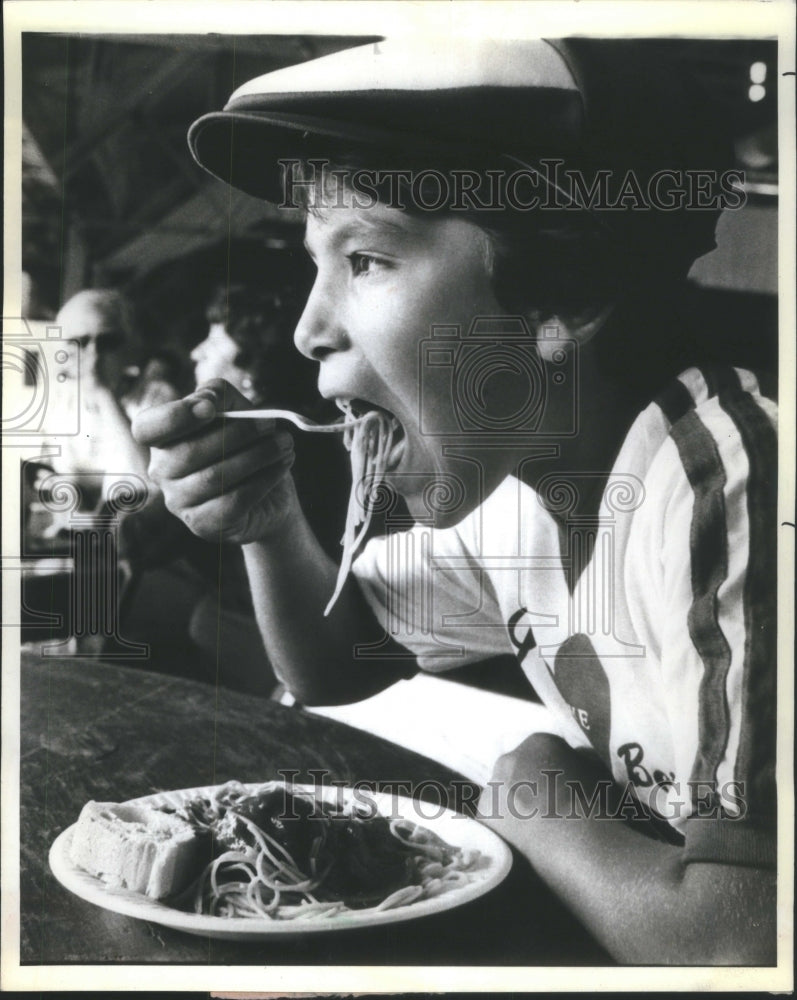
[
  {"x": 374, "y": 470},
  {"x": 217, "y": 863},
  {"x": 369, "y": 443},
  {"x": 301, "y": 881},
  {"x": 214, "y": 881},
  {"x": 232, "y": 895},
  {"x": 236, "y": 856},
  {"x": 243, "y": 901},
  {"x": 228, "y": 889},
  {"x": 255, "y": 897},
  {"x": 401, "y": 897},
  {"x": 362, "y": 454},
  {"x": 248, "y": 869},
  {"x": 434, "y": 887},
  {"x": 265, "y": 842},
  {"x": 419, "y": 839},
  {"x": 313, "y": 910},
  {"x": 320, "y": 911},
  {"x": 455, "y": 875},
  {"x": 357, "y": 465},
  {"x": 237, "y": 905},
  {"x": 201, "y": 889}
]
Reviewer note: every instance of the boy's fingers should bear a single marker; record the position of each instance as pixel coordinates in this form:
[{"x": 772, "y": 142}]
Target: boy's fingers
[
  {"x": 226, "y": 476},
  {"x": 218, "y": 441},
  {"x": 159, "y": 425},
  {"x": 220, "y": 394},
  {"x": 209, "y": 518}
]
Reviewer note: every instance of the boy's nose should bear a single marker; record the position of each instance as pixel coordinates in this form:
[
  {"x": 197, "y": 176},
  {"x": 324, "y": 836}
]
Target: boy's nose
[
  {"x": 198, "y": 351},
  {"x": 319, "y": 330}
]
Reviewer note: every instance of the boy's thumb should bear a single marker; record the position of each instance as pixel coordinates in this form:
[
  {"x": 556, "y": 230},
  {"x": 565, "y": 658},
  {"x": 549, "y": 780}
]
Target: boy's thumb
[{"x": 215, "y": 397}]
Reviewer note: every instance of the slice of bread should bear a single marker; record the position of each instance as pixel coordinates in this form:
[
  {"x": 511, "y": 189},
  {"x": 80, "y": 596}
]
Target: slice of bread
[{"x": 137, "y": 848}]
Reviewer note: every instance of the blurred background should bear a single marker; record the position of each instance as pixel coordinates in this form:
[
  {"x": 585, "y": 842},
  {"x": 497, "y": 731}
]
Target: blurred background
[{"x": 111, "y": 196}]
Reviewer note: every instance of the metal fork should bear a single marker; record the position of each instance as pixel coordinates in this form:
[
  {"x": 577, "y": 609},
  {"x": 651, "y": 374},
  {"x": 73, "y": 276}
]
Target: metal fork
[{"x": 295, "y": 418}]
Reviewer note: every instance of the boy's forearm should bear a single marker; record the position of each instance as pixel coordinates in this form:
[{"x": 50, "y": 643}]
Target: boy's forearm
[
  {"x": 635, "y": 894},
  {"x": 292, "y": 579}
]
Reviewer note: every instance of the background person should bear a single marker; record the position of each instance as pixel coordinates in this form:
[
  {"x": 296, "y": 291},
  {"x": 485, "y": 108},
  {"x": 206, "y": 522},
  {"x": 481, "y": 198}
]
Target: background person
[
  {"x": 106, "y": 353},
  {"x": 104, "y": 382}
]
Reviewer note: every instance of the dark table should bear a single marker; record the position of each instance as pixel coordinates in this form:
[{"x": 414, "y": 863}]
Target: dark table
[{"x": 91, "y": 730}]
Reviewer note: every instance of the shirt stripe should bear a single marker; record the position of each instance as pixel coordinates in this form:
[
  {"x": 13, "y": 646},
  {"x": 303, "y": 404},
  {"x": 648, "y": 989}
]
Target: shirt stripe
[
  {"x": 709, "y": 569},
  {"x": 709, "y": 556},
  {"x": 675, "y": 401},
  {"x": 755, "y": 759}
]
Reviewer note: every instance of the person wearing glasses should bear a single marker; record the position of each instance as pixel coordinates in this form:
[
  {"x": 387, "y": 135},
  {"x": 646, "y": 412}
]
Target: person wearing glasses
[{"x": 103, "y": 372}]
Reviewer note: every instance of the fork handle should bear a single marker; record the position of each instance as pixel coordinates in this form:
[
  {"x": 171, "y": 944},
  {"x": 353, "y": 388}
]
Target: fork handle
[{"x": 296, "y": 419}]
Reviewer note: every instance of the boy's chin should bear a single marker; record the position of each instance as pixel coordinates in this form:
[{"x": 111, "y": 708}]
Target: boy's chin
[{"x": 440, "y": 504}]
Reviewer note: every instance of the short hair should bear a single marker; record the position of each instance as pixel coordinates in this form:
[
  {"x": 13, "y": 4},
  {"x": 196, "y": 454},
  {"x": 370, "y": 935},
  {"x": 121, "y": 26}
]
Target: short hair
[
  {"x": 561, "y": 262},
  {"x": 261, "y": 322}
]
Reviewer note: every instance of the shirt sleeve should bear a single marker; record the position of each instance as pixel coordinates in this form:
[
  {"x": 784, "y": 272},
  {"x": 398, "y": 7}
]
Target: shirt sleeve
[
  {"x": 432, "y": 598},
  {"x": 708, "y": 604}
]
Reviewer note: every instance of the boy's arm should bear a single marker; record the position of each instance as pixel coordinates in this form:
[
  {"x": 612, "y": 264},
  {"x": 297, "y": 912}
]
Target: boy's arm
[
  {"x": 292, "y": 579},
  {"x": 231, "y": 482},
  {"x": 636, "y": 895}
]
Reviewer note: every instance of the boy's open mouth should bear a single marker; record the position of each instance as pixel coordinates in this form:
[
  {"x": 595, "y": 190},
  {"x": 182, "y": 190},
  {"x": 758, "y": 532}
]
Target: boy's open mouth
[{"x": 359, "y": 407}]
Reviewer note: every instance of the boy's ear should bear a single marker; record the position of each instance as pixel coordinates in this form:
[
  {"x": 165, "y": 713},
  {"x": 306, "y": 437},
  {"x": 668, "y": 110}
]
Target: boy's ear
[{"x": 579, "y": 326}]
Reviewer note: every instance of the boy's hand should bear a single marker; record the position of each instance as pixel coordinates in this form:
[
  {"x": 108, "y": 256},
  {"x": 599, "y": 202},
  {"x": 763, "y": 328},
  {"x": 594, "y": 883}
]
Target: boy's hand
[
  {"x": 228, "y": 481},
  {"x": 528, "y": 780}
]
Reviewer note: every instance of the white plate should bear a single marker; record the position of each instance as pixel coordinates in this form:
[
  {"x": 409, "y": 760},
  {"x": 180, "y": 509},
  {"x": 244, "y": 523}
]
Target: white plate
[{"x": 458, "y": 830}]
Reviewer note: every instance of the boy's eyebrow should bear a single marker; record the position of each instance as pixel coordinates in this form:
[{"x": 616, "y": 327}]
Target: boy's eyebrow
[{"x": 363, "y": 227}]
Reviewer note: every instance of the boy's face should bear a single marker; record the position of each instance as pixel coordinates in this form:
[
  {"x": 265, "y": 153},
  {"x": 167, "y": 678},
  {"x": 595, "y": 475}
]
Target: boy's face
[{"x": 384, "y": 278}]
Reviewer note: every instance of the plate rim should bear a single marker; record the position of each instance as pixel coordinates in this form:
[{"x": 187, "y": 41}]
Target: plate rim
[{"x": 140, "y": 907}]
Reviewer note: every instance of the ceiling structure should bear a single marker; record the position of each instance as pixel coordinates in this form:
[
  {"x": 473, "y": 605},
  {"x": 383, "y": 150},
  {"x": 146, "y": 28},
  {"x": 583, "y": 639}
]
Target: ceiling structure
[{"x": 111, "y": 195}]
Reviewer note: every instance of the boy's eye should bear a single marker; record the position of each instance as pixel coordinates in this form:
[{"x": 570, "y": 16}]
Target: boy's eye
[{"x": 363, "y": 263}]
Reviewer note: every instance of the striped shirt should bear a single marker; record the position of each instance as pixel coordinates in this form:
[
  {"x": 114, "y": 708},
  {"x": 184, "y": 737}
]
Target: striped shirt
[{"x": 661, "y": 654}]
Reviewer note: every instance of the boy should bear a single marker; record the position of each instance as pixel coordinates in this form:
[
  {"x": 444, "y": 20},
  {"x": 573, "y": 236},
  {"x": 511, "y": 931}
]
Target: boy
[{"x": 498, "y": 252}]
